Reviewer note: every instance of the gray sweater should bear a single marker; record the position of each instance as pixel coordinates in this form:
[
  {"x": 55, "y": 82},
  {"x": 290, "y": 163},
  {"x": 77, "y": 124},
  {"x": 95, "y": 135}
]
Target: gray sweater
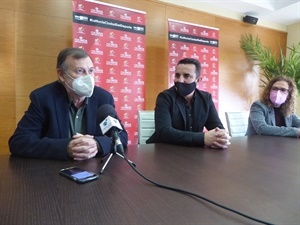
[{"x": 262, "y": 122}]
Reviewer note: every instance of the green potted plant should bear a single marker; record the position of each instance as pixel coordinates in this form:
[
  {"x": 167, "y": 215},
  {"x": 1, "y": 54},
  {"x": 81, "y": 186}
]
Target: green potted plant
[{"x": 270, "y": 64}]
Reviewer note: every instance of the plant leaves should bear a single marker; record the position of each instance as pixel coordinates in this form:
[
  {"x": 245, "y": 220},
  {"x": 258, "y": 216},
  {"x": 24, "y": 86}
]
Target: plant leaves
[{"x": 270, "y": 64}]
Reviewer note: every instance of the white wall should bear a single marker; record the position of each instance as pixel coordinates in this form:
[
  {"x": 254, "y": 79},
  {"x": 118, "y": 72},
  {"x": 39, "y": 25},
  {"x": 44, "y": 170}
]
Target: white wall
[
  {"x": 209, "y": 8},
  {"x": 293, "y": 38}
]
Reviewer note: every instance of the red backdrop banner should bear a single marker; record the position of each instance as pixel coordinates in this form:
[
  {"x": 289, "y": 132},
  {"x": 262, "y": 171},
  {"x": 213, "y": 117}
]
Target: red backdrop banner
[
  {"x": 115, "y": 39},
  {"x": 200, "y": 42}
]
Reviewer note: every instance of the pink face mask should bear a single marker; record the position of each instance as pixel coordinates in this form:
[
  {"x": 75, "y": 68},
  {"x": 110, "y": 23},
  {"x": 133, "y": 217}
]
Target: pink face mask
[{"x": 278, "y": 98}]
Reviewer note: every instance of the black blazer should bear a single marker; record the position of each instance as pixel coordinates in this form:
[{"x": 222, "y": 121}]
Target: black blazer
[
  {"x": 43, "y": 131},
  {"x": 170, "y": 118}
]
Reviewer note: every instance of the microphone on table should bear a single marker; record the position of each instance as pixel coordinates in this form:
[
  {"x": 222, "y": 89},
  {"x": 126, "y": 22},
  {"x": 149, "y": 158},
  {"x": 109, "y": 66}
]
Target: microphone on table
[{"x": 109, "y": 124}]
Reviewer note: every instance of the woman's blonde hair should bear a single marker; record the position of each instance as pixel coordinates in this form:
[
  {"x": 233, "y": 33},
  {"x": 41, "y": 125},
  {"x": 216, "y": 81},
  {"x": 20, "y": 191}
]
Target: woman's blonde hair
[{"x": 288, "y": 107}]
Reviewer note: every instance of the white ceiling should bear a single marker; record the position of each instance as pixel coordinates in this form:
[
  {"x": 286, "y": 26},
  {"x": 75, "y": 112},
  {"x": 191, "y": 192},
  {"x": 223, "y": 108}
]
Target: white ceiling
[{"x": 284, "y": 12}]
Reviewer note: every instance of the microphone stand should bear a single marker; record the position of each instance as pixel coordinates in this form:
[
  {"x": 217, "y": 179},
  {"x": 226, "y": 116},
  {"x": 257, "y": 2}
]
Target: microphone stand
[{"x": 117, "y": 145}]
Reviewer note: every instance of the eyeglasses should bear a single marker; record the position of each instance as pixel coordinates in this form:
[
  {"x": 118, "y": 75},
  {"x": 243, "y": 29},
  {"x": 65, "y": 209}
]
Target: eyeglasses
[{"x": 282, "y": 90}]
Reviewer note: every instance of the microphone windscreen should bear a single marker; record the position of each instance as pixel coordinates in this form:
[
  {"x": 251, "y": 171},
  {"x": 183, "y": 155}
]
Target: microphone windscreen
[{"x": 105, "y": 111}]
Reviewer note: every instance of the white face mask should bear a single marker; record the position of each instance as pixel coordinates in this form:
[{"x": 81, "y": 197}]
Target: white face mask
[{"x": 83, "y": 86}]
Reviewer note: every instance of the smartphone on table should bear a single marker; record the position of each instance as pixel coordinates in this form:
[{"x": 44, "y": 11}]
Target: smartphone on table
[{"x": 79, "y": 175}]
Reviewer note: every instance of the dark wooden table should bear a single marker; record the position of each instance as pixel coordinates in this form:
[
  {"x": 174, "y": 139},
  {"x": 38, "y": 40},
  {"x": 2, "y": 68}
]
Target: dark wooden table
[{"x": 258, "y": 176}]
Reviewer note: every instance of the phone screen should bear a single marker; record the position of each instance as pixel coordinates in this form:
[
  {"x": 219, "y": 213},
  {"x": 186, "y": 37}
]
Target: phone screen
[{"x": 79, "y": 175}]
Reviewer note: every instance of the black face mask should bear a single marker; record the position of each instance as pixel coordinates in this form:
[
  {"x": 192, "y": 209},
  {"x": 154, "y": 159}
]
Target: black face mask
[{"x": 185, "y": 89}]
